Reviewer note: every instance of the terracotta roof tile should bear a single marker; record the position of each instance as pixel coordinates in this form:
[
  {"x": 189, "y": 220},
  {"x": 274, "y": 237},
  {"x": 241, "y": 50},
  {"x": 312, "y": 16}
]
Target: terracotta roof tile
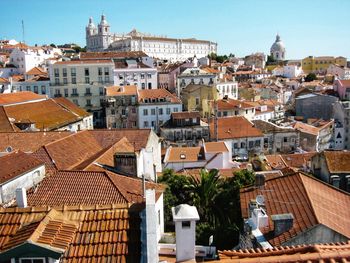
[
  {"x": 47, "y": 114},
  {"x": 15, "y": 164},
  {"x": 228, "y": 104},
  {"x": 157, "y": 94},
  {"x": 5, "y": 124},
  {"x": 89, "y": 188},
  {"x": 339, "y": 252},
  {"x": 185, "y": 115},
  {"x": 234, "y": 127},
  {"x": 106, "y": 233},
  {"x": 215, "y": 147},
  {"x": 36, "y": 71},
  {"x": 308, "y": 199},
  {"x": 184, "y": 154},
  {"x": 18, "y": 97},
  {"x": 337, "y": 161},
  {"x": 121, "y": 91},
  {"x": 29, "y": 141}
]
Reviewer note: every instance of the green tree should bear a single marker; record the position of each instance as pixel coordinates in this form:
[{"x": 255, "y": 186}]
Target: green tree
[
  {"x": 310, "y": 77},
  {"x": 53, "y": 45},
  {"x": 204, "y": 190}
]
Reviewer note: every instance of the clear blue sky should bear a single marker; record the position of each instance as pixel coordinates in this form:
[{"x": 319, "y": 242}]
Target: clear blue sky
[{"x": 307, "y": 27}]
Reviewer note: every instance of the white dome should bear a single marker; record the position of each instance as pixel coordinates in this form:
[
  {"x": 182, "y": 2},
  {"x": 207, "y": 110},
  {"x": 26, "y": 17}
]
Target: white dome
[
  {"x": 91, "y": 24},
  {"x": 278, "y": 46}
]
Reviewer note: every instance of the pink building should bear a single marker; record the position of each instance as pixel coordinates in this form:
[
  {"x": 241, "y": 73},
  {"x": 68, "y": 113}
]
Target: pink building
[
  {"x": 343, "y": 88},
  {"x": 167, "y": 74}
]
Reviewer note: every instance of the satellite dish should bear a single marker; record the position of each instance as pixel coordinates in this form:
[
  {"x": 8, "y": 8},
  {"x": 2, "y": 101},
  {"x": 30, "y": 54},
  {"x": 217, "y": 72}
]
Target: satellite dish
[
  {"x": 260, "y": 200},
  {"x": 9, "y": 149}
]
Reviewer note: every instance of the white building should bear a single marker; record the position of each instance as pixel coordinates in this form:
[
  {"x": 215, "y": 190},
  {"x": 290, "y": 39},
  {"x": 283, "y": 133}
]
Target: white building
[
  {"x": 27, "y": 58},
  {"x": 227, "y": 88},
  {"x": 195, "y": 76},
  {"x": 83, "y": 82},
  {"x": 155, "y": 107},
  {"x": 99, "y": 38},
  {"x": 339, "y": 71},
  {"x": 134, "y": 72},
  {"x": 18, "y": 170}
]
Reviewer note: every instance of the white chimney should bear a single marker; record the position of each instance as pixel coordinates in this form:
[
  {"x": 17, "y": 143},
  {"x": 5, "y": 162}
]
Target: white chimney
[
  {"x": 21, "y": 197},
  {"x": 149, "y": 229},
  {"x": 185, "y": 218}
]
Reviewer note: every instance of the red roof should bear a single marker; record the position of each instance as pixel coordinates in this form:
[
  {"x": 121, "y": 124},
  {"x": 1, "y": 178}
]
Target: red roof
[
  {"x": 157, "y": 94},
  {"x": 234, "y": 127},
  {"x": 309, "y": 200},
  {"x": 18, "y": 97}
]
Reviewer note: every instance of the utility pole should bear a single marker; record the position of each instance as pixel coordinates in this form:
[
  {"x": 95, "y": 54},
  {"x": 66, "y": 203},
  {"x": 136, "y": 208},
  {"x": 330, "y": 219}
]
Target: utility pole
[{"x": 23, "y": 31}]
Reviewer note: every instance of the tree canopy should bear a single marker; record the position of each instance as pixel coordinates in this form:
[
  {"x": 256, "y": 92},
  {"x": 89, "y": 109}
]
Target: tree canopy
[
  {"x": 310, "y": 77},
  {"x": 216, "y": 199}
]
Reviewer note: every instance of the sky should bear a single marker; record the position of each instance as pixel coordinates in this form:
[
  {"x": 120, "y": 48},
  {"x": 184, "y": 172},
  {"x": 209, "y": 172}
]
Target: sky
[{"x": 241, "y": 27}]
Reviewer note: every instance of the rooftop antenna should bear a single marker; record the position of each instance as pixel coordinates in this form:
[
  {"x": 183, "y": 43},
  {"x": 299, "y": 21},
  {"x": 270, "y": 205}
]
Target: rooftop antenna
[{"x": 23, "y": 31}]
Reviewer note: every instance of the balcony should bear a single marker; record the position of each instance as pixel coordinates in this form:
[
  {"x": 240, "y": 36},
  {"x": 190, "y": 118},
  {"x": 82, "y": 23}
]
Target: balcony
[
  {"x": 87, "y": 94},
  {"x": 75, "y": 95},
  {"x": 58, "y": 95}
]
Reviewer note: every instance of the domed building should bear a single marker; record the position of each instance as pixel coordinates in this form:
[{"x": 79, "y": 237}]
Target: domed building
[{"x": 278, "y": 51}]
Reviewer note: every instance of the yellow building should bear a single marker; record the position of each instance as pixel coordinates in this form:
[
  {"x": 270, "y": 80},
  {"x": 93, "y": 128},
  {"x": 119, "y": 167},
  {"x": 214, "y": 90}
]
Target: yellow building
[
  {"x": 320, "y": 64},
  {"x": 198, "y": 98}
]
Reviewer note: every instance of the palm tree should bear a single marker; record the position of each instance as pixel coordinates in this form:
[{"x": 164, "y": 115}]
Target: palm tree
[{"x": 204, "y": 189}]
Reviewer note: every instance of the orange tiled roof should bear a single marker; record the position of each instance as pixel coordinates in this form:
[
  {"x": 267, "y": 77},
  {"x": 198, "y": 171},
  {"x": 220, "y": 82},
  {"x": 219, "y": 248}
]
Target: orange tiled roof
[
  {"x": 18, "y": 97},
  {"x": 3, "y": 80},
  {"x": 5, "y": 124},
  {"x": 36, "y": 71},
  {"x": 15, "y": 164},
  {"x": 109, "y": 233},
  {"x": 48, "y": 114},
  {"x": 345, "y": 82},
  {"x": 275, "y": 161},
  {"x": 234, "y": 127},
  {"x": 215, "y": 147},
  {"x": 337, "y": 161},
  {"x": 297, "y": 160},
  {"x": 81, "y": 62},
  {"x": 309, "y": 200},
  {"x": 185, "y": 115},
  {"x": 227, "y": 104},
  {"x": 339, "y": 252},
  {"x": 311, "y": 129},
  {"x": 188, "y": 154},
  {"x": 29, "y": 141},
  {"x": 157, "y": 94},
  {"x": 121, "y": 91}
]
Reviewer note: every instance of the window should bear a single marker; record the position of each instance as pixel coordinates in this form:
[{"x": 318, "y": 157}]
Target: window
[
  {"x": 73, "y": 72},
  {"x": 149, "y": 75},
  {"x": 74, "y": 92},
  {"x": 100, "y": 80},
  {"x": 153, "y": 111},
  {"x": 87, "y": 80},
  {"x": 142, "y": 85},
  {"x": 57, "y": 81},
  {"x": 153, "y": 124},
  {"x": 197, "y": 101},
  {"x": 106, "y": 71},
  {"x": 149, "y": 85},
  {"x": 32, "y": 260},
  {"x": 74, "y": 80},
  {"x": 145, "y": 124},
  {"x": 168, "y": 111},
  {"x": 106, "y": 78},
  {"x": 123, "y": 112},
  {"x": 88, "y": 102},
  {"x": 56, "y": 72},
  {"x": 86, "y": 70},
  {"x": 64, "y": 71},
  {"x": 76, "y": 102},
  {"x": 101, "y": 91},
  {"x": 175, "y": 110},
  {"x": 285, "y": 139},
  {"x": 87, "y": 91},
  {"x": 28, "y": 88},
  {"x": 99, "y": 71},
  {"x": 65, "y": 81},
  {"x": 145, "y": 112},
  {"x": 43, "y": 90},
  {"x": 160, "y": 111},
  {"x": 36, "y": 90}
]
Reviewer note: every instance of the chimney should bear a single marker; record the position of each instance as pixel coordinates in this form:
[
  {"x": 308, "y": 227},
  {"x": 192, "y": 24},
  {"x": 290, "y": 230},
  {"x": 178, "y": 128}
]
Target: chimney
[
  {"x": 282, "y": 223},
  {"x": 21, "y": 197},
  {"x": 151, "y": 226},
  {"x": 259, "y": 180},
  {"x": 185, "y": 217}
]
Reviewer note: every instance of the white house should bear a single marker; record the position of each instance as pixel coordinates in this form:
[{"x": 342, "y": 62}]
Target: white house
[
  {"x": 134, "y": 72},
  {"x": 211, "y": 155},
  {"x": 18, "y": 170},
  {"x": 28, "y": 58},
  {"x": 227, "y": 88},
  {"x": 339, "y": 71},
  {"x": 155, "y": 107}
]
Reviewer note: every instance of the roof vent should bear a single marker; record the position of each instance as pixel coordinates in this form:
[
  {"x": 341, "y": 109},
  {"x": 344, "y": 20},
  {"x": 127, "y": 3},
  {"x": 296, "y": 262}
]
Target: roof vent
[{"x": 9, "y": 149}]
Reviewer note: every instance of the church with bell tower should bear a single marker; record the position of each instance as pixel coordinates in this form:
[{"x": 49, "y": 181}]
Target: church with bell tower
[{"x": 98, "y": 38}]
